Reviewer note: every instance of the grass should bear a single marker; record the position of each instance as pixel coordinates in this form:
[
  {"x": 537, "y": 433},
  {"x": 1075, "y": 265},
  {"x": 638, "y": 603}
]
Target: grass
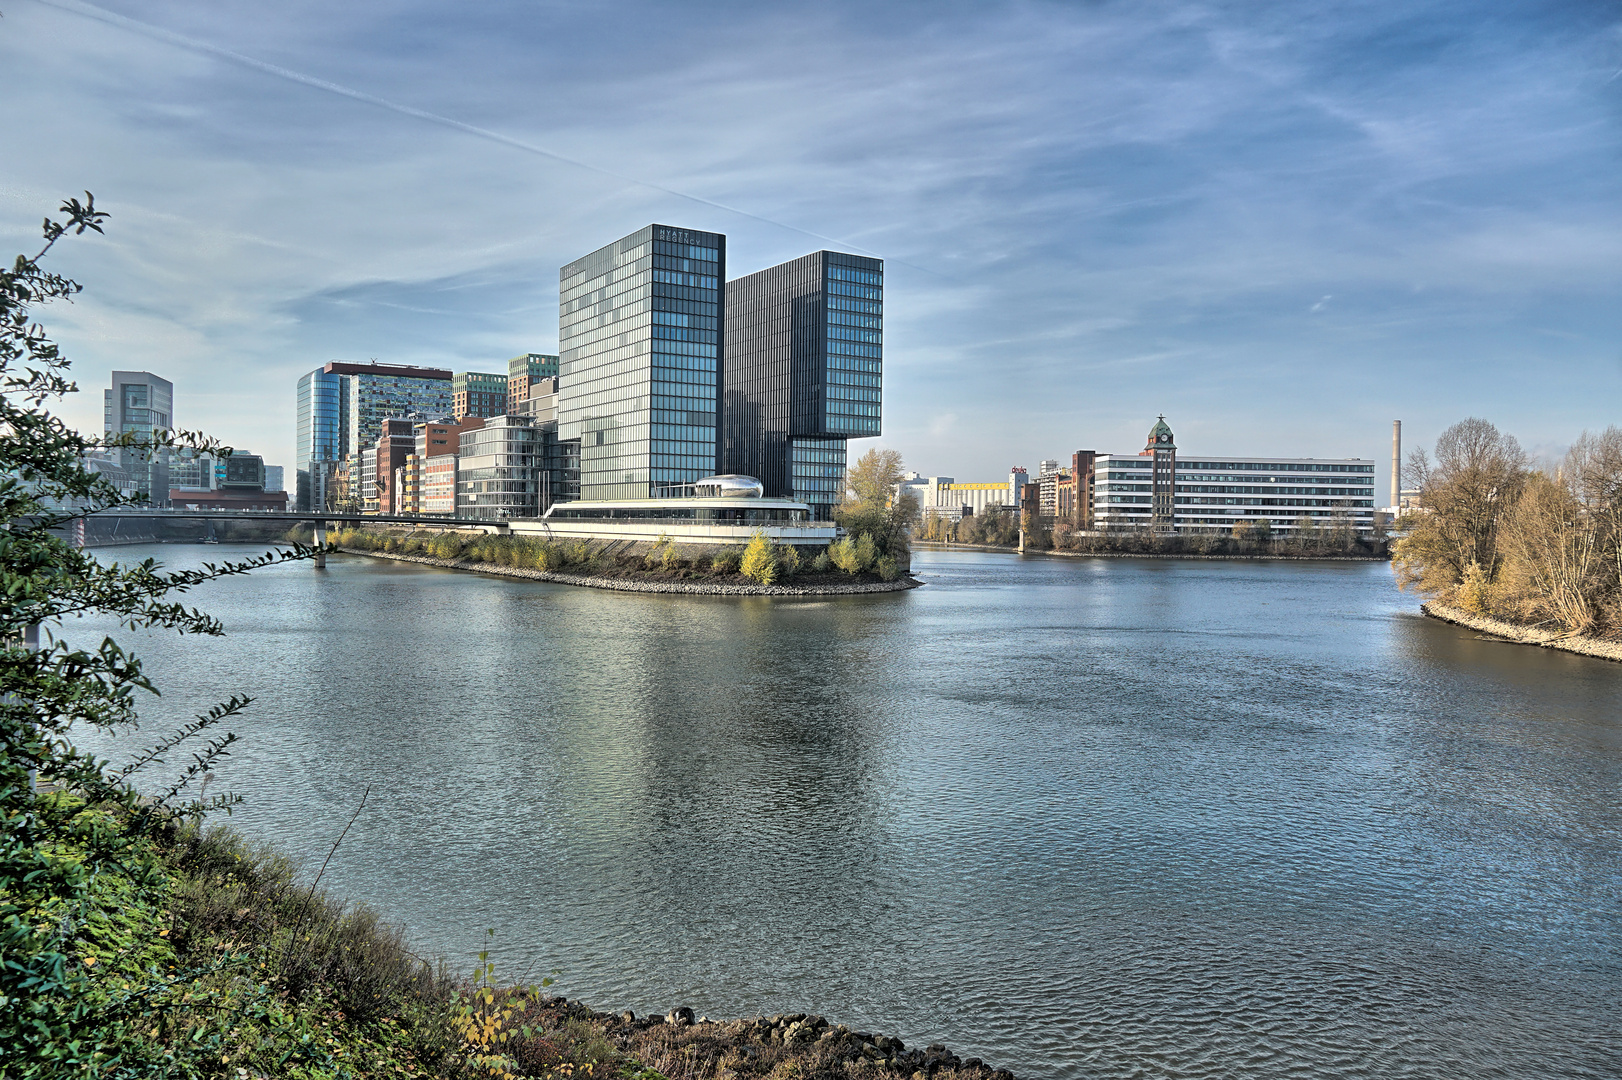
[{"x": 249, "y": 972}]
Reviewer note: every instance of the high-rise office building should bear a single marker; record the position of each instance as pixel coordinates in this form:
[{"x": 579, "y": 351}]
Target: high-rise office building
[
  {"x": 378, "y": 392},
  {"x": 323, "y": 435},
  {"x": 803, "y": 373},
  {"x": 341, "y": 409},
  {"x": 522, "y": 373},
  {"x": 639, "y": 345},
  {"x": 478, "y": 393},
  {"x": 138, "y": 404}
]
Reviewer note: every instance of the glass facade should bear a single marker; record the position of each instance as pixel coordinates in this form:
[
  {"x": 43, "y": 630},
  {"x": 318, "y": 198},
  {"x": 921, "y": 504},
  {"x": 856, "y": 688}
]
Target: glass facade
[
  {"x": 378, "y": 392},
  {"x": 855, "y": 345},
  {"x": 559, "y": 464},
  {"x": 639, "y": 345},
  {"x": 323, "y": 423},
  {"x": 496, "y": 471},
  {"x": 803, "y": 373},
  {"x": 139, "y": 403},
  {"x": 816, "y": 473}
]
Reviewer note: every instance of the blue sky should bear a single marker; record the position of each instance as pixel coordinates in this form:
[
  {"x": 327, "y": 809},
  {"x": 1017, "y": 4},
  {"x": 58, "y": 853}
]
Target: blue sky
[{"x": 1282, "y": 225}]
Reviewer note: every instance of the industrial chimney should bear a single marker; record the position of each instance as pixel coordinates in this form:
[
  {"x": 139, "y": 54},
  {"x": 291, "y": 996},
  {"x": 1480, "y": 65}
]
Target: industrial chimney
[{"x": 1396, "y": 465}]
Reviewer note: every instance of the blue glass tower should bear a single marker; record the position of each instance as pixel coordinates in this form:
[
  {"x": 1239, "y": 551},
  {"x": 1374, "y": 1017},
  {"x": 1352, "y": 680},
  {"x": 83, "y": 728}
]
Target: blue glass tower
[{"x": 323, "y": 435}]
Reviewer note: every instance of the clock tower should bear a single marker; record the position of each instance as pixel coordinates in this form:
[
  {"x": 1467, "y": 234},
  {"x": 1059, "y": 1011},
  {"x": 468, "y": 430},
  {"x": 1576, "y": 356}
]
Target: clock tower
[{"x": 1163, "y": 448}]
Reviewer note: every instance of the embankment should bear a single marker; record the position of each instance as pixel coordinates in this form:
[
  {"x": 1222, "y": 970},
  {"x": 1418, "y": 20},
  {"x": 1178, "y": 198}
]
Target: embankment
[
  {"x": 619, "y": 584},
  {"x": 1525, "y": 635},
  {"x": 679, "y": 1044},
  {"x": 1253, "y": 556}
]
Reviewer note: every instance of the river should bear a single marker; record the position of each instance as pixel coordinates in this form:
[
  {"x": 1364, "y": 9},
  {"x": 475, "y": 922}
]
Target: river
[{"x": 1080, "y": 818}]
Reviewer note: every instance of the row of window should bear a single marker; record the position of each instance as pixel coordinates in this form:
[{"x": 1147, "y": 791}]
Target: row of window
[
  {"x": 851, "y": 303},
  {"x": 687, "y": 318},
  {"x": 672, "y": 347},
  {"x": 837, "y": 376},
  {"x": 1186, "y": 476},
  {"x": 691, "y": 281},
  {"x": 687, "y": 251},
  {"x": 1243, "y": 489},
  {"x": 1277, "y": 502},
  {"x": 850, "y": 273},
  {"x": 686, "y": 266},
  {"x": 574, "y": 287},
  {"x": 1258, "y": 466}
]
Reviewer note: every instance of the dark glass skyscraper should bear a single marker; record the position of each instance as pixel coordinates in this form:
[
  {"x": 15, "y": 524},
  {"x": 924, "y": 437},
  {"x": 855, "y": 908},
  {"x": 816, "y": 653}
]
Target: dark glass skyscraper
[
  {"x": 639, "y": 344},
  {"x": 803, "y": 372}
]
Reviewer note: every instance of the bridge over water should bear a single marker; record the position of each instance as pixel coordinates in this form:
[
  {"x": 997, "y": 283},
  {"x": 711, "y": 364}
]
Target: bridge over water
[{"x": 136, "y": 525}]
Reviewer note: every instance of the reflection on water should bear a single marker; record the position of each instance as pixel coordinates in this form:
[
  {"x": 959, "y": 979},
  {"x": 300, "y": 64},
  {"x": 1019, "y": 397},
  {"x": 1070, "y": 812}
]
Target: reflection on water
[{"x": 1078, "y": 818}]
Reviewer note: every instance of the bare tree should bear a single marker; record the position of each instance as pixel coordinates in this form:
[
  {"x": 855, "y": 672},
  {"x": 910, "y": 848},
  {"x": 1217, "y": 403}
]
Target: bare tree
[
  {"x": 1474, "y": 481},
  {"x": 1551, "y": 554}
]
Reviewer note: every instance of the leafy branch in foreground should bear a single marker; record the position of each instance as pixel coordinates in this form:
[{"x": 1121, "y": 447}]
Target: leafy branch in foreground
[{"x": 84, "y": 842}]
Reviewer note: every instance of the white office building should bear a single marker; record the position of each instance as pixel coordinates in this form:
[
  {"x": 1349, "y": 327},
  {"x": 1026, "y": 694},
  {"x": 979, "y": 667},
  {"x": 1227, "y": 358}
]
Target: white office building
[
  {"x": 944, "y": 495},
  {"x": 1213, "y": 494}
]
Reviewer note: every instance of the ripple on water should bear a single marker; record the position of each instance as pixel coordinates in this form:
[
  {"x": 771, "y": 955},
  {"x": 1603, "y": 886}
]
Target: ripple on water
[{"x": 1079, "y": 818}]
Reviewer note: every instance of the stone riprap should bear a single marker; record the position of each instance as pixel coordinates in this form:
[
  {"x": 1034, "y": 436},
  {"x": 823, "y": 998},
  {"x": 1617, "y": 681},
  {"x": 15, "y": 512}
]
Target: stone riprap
[
  {"x": 632, "y": 585},
  {"x": 784, "y": 1045},
  {"x": 1524, "y": 635}
]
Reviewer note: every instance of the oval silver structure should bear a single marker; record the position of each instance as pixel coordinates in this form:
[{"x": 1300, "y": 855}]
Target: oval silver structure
[{"x": 729, "y": 486}]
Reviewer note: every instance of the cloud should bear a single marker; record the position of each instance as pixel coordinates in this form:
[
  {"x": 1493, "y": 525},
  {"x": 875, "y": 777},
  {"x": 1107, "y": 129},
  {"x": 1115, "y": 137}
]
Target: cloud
[{"x": 1090, "y": 214}]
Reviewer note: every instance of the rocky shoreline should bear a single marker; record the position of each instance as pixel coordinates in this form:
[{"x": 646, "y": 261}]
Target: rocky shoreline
[
  {"x": 682, "y": 1044},
  {"x": 632, "y": 585},
  {"x": 1525, "y": 635}
]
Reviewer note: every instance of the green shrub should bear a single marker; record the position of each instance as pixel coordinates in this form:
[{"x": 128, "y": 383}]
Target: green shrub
[
  {"x": 655, "y": 556},
  {"x": 788, "y": 560},
  {"x": 842, "y": 553},
  {"x": 867, "y": 553},
  {"x": 821, "y": 563},
  {"x": 726, "y": 561},
  {"x": 888, "y": 568},
  {"x": 579, "y": 555}
]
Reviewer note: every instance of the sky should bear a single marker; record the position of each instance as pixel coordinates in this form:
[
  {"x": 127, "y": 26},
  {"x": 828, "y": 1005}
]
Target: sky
[{"x": 1281, "y": 225}]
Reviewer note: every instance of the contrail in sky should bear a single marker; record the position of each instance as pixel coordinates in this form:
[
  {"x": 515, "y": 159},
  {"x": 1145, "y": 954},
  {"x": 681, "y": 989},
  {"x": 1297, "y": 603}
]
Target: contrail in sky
[{"x": 124, "y": 22}]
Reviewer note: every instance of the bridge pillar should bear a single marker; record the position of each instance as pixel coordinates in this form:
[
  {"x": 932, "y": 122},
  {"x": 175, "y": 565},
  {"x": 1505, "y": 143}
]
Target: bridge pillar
[{"x": 321, "y": 545}]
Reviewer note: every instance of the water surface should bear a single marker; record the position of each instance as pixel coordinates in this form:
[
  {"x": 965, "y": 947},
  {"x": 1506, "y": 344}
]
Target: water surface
[{"x": 1081, "y": 818}]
